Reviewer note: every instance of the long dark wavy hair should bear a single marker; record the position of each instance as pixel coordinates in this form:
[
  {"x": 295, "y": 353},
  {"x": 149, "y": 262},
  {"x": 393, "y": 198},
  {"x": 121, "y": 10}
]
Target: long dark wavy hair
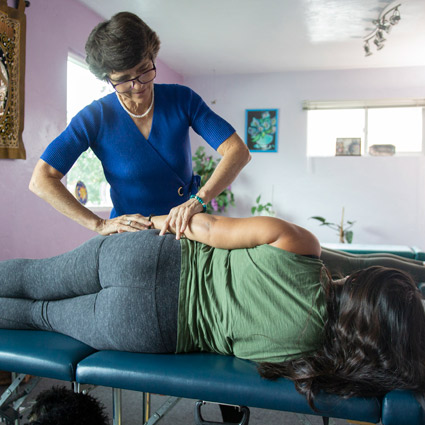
[{"x": 374, "y": 339}]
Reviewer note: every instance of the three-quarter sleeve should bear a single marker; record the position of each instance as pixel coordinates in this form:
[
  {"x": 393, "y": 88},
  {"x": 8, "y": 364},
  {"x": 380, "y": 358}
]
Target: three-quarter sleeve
[
  {"x": 81, "y": 132},
  {"x": 205, "y": 122}
]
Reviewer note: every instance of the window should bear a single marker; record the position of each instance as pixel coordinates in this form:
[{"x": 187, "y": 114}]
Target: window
[
  {"x": 401, "y": 127},
  {"x": 376, "y": 123},
  {"x": 82, "y": 88}
]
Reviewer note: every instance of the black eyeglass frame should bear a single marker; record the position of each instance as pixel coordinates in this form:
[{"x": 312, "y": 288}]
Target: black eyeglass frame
[{"x": 133, "y": 80}]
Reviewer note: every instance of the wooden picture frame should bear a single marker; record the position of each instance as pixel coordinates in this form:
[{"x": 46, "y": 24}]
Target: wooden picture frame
[{"x": 12, "y": 79}]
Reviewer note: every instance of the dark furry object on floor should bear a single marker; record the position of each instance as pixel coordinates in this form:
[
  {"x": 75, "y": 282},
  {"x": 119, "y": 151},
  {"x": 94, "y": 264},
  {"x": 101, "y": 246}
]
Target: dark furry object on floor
[
  {"x": 60, "y": 406},
  {"x": 5, "y": 378}
]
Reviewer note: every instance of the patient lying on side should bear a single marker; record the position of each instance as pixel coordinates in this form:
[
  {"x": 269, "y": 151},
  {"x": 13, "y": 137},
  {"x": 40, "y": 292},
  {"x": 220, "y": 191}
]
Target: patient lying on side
[{"x": 252, "y": 287}]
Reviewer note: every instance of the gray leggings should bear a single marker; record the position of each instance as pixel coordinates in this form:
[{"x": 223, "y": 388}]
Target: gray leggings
[{"x": 118, "y": 292}]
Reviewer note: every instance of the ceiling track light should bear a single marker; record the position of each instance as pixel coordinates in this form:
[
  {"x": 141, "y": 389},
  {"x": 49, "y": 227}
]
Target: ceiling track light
[
  {"x": 367, "y": 49},
  {"x": 382, "y": 24}
]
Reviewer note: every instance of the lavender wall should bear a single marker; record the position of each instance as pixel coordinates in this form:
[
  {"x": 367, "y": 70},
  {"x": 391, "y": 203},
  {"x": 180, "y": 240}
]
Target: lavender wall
[
  {"x": 384, "y": 195},
  {"x": 28, "y": 226}
]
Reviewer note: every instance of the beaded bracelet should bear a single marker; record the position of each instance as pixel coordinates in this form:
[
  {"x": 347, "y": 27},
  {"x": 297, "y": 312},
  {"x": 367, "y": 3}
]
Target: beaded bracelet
[
  {"x": 150, "y": 218},
  {"x": 199, "y": 199}
]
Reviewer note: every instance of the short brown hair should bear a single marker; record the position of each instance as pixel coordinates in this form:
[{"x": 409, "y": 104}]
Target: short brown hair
[{"x": 120, "y": 44}]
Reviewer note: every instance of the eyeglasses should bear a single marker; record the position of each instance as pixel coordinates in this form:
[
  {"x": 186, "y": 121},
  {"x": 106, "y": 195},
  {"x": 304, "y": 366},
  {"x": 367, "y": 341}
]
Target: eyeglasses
[{"x": 127, "y": 86}]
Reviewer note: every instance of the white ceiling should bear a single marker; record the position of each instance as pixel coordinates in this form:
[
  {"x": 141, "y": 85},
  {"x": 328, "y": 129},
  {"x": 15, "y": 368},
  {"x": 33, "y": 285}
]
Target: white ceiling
[{"x": 250, "y": 36}]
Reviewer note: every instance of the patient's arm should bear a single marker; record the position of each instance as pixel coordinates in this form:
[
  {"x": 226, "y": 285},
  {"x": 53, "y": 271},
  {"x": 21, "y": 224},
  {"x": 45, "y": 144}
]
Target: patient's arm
[{"x": 232, "y": 233}]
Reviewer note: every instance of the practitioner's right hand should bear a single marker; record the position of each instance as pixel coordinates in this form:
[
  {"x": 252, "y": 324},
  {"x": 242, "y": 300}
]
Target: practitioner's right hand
[{"x": 123, "y": 223}]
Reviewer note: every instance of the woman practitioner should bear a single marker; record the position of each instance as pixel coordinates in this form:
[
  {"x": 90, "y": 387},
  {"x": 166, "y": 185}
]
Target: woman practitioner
[
  {"x": 140, "y": 134},
  {"x": 252, "y": 287}
]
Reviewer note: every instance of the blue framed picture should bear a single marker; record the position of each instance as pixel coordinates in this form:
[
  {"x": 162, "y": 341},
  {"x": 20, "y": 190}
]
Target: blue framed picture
[{"x": 261, "y": 130}]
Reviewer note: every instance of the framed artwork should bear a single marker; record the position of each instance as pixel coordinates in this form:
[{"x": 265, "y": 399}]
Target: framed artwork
[
  {"x": 348, "y": 147},
  {"x": 12, "y": 79},
  {"x": 261, "y": 127}
]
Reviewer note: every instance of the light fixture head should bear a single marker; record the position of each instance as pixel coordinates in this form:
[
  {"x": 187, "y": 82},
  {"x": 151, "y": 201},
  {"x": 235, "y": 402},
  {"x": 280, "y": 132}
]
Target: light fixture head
[
  {"x": 367, "y": 48},
  {"x": 380, "y": 36},
  {"x": 379, "y": 44},
  {"x": 395, "y": 18}
]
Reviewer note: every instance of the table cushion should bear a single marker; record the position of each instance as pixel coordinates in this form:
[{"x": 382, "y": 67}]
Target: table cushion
[
  {"x": 41, "y": 353},
  {"x": 403, "y": 407},
  {"x": 216, "y": 378}
]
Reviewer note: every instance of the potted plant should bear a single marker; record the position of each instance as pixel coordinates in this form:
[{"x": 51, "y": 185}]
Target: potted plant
[
  {"x": 262, "y": 209},
  {"x": 343, "y": 229},
  {"x": 204, "y": 165}
]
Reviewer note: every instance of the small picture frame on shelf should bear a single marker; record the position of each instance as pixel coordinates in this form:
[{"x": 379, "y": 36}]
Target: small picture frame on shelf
[{"x": 350, "y": 146}]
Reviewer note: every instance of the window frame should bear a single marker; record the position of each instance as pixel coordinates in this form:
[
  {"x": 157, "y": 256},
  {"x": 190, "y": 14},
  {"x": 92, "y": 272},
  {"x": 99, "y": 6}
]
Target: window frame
[{"x": 309, "y": 105}]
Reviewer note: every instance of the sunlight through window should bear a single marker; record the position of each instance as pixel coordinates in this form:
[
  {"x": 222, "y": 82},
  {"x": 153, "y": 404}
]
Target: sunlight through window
[
  {"x": 82, "y": 88},
  {"x": 391, "y": 129}
]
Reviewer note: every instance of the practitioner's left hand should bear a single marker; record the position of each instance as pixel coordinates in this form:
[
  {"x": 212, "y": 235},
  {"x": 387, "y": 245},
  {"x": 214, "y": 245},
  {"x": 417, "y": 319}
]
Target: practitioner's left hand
[
  {"x": 122, "y": 223},
  {"x": 178, "y": 217}
]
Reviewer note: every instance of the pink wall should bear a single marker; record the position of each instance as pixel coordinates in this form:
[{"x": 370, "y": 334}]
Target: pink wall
[{"x": 28, "y": 226}]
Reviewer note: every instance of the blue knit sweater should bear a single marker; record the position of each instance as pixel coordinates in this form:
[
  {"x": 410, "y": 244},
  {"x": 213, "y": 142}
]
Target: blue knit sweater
[{"x": 145, "y": 175}]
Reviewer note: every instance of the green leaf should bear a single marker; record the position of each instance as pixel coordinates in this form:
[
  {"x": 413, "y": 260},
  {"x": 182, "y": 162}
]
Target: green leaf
[
  {"x": 321, "y": 219},
  {"x": 258, "y": 199},
  {"x": 349, "y": 236}
]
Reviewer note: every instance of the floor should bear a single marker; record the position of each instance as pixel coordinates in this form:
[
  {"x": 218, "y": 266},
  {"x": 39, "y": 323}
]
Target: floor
[{"x": 182, "y": 413}]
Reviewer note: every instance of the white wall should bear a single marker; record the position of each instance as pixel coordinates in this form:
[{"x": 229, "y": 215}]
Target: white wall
[{"x": 385, "y": 196}]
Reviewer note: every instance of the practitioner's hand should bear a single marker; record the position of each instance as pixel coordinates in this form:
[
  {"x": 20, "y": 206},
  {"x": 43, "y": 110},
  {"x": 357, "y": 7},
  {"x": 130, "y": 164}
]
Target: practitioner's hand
[
  {"x": 178, "y": 217},
  {"x": 123, "y": 223}
]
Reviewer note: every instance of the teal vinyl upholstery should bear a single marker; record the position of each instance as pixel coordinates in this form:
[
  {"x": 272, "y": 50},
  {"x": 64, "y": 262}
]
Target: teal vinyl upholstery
[
  {"x": 41, "y": 353},
  {"x": 403, "y": 407},
  {"x": 216, "y": 378}
]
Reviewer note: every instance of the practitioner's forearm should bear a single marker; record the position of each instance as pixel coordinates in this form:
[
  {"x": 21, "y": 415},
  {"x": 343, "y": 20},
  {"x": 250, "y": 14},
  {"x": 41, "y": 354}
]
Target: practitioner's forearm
[
  {"x": 235, "y": 155},
  {"x": 46, "y": 183}
]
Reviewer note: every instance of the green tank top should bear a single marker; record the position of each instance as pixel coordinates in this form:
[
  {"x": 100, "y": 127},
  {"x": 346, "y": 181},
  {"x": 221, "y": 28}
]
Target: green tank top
[{"x": 262, "y": 303}]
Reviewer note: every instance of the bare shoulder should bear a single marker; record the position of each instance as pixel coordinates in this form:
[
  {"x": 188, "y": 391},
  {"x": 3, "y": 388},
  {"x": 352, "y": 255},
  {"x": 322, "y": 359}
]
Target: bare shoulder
[{"x": 296, "y": 239}]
